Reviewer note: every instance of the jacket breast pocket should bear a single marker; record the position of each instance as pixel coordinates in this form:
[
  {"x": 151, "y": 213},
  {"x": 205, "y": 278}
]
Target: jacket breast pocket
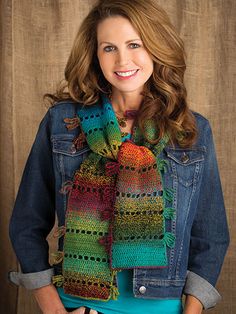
[
  {"x": 186, "y": 164},
  {"x": 68, "y": 159}
]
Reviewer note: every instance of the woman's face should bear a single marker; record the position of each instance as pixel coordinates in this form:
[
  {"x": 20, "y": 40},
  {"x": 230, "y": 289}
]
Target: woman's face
[{"x": 124, "y": 61}]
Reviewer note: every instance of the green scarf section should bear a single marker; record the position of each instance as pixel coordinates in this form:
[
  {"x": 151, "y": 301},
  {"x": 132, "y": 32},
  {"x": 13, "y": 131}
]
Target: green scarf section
[{"x": 116, "y": 209}]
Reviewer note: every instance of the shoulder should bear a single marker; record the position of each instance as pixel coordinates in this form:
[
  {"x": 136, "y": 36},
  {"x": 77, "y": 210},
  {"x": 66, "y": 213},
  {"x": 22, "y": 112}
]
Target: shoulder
[
  {"x": 59, "y": 112},
  {"x": 201, "y": 121},
  {"x": 203, "y": 129},
  {"x": 65, "y": 107}
]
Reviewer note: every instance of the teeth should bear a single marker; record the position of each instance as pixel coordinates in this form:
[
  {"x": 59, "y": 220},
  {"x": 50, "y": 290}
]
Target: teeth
[{"x": 126, "y": 73}]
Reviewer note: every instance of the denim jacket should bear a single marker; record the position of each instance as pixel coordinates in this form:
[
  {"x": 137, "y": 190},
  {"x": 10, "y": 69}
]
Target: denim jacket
[{"x": 200, "y": 225}]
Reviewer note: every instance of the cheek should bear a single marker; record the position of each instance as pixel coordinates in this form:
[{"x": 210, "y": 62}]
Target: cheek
[
  {"x": 151, "y": 66},
  {"x": 145, "y": 61},
  {"x": 100, "y": 59},
  {"x": 105, "y": 63}
]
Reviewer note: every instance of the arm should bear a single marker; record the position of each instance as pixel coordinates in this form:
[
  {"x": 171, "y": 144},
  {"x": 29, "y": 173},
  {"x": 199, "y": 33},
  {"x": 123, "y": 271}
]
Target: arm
[
  {"x": 48, "y": 300},
  {"x": 192, "y": 305},
  {"x": 50, "y": 303},
  {"x": 34, "y": 213},
  {"x": 32, "y": 219},
  {"x": 209, "y": 235}
]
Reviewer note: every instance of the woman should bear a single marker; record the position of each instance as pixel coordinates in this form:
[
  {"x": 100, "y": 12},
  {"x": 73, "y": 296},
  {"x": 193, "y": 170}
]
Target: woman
[{"x": 131, "y": 173}]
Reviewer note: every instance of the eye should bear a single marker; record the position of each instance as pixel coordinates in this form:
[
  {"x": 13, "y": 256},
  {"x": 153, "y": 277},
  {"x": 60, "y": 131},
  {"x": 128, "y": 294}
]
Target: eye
[
  {"x": 109, "y": 48},
  {"x": 134, "y": 45}
]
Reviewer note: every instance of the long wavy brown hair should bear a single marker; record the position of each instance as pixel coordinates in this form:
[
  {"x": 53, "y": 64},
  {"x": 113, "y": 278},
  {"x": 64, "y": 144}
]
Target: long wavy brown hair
[{"x": 164, "y": 93}]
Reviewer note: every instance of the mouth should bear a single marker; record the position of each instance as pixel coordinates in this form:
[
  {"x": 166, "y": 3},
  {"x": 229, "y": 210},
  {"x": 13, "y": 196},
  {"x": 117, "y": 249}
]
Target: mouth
[{"x": 126, "y": 74}]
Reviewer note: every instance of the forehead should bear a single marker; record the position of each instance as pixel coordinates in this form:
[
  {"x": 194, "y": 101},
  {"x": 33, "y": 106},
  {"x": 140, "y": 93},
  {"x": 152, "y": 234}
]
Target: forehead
[{"x": 116, "y": 28}]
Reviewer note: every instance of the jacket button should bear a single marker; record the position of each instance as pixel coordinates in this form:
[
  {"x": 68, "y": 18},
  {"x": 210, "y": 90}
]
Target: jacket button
[
  {"x": 142, "y": 289},
  {"x": 184, "y": 158}
]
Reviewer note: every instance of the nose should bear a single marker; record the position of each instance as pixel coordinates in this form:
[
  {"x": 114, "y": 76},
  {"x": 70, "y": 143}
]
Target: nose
[{"x": 122, "y": 58}]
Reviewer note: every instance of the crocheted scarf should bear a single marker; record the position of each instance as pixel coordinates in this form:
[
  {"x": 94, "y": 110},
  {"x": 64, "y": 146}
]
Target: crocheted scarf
[{"x": 116, "y": 210}]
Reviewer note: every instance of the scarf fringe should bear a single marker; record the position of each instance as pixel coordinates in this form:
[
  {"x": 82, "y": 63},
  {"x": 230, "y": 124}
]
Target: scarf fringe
[
  {"x": 169, "y": 239},
  {"x": 59, "y": 232},
  {"x": 114, "y": 293},
  {"x": 66, "y": 187},
  {"x": 169, "y": 213},
  {"x": 79, "y": 141},
  {"x": 162, "y": 164},
  {"x": 58, "y": 280},
  {"x": 57, "y": 257},
  {"x": 168, "y": 194},
  {"x": 72, "y": 123}
]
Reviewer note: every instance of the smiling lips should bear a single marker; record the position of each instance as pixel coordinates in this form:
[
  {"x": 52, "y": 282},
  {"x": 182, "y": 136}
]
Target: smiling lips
[{"x": 126, "y": 74}]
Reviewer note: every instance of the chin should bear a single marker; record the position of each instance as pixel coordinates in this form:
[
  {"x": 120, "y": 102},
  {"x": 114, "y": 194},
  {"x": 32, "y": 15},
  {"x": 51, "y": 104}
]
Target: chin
[{"x": 126, "y": 89}]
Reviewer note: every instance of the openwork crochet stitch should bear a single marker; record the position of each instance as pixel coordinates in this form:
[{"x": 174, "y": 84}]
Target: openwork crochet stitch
[{"x": 116, "y": 208}]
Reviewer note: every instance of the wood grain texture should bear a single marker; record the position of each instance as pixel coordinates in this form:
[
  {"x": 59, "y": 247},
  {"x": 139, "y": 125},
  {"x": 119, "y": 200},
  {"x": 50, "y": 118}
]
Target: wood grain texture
[{"x": 36, "y": 37}]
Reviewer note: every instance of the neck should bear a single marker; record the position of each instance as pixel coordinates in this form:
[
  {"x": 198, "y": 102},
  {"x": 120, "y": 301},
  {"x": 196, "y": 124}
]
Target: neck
[{"x": 126, "y": 101}]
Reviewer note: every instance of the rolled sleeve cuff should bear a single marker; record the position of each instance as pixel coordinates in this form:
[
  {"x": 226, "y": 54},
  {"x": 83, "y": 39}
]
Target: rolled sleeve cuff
[
  {"x": 32, "y": 280},
  {"x": 202, "y": 290}
]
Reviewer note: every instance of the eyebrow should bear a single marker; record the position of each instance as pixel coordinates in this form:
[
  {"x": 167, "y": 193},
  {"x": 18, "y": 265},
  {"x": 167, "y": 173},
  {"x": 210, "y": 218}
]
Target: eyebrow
[{"x": 127, "y": 42}]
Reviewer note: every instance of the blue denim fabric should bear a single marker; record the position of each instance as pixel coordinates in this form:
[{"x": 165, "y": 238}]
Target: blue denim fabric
[{"x": 200, "y": 225}]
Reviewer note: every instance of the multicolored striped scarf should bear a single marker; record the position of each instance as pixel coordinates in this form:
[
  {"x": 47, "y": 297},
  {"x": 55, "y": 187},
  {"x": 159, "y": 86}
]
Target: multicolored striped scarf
[{"x": 116, "y": 210}]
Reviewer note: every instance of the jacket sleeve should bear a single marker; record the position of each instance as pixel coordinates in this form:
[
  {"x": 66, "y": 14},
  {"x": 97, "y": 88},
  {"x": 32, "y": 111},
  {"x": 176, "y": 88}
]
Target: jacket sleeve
[
  {"x": 33, "y": 215},
  {"x": 209, "y": 234}
]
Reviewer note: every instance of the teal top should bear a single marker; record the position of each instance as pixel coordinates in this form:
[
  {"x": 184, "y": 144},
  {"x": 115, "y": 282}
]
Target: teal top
[{"x": 126, "y": 302}]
